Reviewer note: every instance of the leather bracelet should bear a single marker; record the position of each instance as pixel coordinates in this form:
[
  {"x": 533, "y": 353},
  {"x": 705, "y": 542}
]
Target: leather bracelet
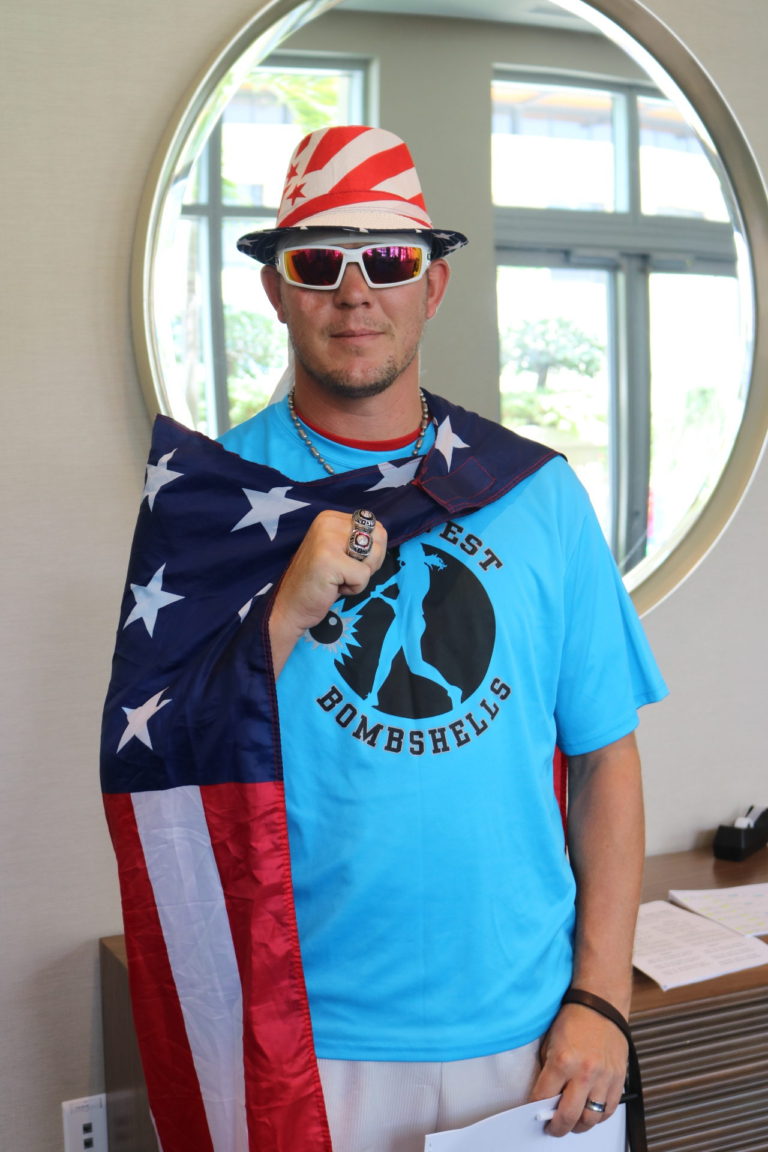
[
  {"x": 633, "y": 1096},
  {"x": 597, "y": 1004}
]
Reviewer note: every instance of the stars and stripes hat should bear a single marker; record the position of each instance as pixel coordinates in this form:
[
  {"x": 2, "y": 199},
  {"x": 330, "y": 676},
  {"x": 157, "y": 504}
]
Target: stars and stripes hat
[{"x": 351, "y": 178}]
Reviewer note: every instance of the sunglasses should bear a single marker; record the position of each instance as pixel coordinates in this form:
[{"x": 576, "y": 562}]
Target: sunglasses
[{"x": 382, "y": 265}]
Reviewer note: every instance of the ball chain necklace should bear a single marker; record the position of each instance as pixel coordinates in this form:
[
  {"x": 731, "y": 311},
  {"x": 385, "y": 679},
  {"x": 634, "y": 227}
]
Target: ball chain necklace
[{"x": 321, "y": 459}]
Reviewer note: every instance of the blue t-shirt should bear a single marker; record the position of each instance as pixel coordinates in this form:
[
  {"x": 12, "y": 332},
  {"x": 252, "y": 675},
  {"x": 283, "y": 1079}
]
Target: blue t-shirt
[{"x": 434, "y": 899}]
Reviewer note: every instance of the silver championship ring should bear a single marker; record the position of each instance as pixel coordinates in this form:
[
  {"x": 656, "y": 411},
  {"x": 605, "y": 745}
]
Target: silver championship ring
[{"x": 361, "y": 537}]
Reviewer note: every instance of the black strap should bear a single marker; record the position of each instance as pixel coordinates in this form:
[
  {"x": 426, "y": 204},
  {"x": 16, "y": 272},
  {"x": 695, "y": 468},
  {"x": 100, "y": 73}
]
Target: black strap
[{"x": 633, "y": 1095}]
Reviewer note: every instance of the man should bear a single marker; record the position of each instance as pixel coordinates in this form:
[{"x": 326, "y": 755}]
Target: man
[
  {"x": 446, "y": 613},
  {"x": 357, "y": 381}
]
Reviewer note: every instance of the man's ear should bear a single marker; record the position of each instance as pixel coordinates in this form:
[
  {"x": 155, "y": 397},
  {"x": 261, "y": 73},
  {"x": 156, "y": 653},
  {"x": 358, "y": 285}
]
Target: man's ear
[
  {"x": 273, "y": 284},
  {"x": 438, "y": 275}
]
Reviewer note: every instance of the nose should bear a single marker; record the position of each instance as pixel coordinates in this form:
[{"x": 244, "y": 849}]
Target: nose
[{"x": 353, "y": 289}]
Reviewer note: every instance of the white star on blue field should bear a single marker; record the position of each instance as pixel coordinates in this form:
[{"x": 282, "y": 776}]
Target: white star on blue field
[
  {"x": 267, "y": 508},
  {"x": 138, "y": 719},
  {"x": 447, "y": 440},
  {"x": 396, "y": 475},
  {"x": 158, "y": 475},
  {"x": 150, "y": 598}
]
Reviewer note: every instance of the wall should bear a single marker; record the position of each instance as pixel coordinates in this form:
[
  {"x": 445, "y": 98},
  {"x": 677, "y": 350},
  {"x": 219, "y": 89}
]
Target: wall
[{"x": 88, "y": 91}]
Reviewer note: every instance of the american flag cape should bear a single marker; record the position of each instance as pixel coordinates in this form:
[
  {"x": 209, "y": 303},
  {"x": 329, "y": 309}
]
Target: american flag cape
[{"x": 192, "y": 773}]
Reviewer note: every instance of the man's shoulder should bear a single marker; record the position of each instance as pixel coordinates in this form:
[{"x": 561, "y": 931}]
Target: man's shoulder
[
  {"x": 499, "y": 450},
  {"x": 249, "y": 438}
]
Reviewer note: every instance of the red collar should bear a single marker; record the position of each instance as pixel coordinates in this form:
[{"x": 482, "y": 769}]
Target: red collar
[{"x": 364, "y": 445}]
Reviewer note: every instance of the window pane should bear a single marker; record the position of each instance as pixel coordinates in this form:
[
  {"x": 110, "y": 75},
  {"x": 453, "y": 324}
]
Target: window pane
[
  {"x": 256, "y": 342},
  {"x": 555, "y": 386},
  {"x": 229, "y": 350},
  {"x": 697, "y": 393},
  {"x": 552, "y": 147},
  {"x": 676, "y": 174},
  {"x": 268, "y": 116}
]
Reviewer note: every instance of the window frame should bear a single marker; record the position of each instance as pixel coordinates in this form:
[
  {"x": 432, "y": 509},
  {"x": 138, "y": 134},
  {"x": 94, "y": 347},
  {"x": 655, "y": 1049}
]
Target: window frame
[
  {"x": 211, "y": 211},
  {"x": 629, "y": 246}
]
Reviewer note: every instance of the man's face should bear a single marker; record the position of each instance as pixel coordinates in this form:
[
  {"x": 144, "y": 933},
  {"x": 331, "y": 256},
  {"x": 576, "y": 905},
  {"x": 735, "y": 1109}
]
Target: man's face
[{"x": 354, "y": 340}]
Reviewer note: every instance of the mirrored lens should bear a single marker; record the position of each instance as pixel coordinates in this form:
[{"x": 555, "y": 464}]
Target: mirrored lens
[
  {"x": 392, "y": 265},
  {"x": 317, "y": 267}
]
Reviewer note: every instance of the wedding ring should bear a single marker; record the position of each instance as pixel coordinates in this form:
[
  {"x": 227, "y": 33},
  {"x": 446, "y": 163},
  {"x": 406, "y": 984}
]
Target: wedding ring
[
  {"x": 361, "y": 537},
  {"x": 594, "y": 1106}
]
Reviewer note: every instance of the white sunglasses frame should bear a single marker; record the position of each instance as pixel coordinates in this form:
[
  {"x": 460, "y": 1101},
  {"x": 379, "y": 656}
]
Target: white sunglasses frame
[{"x": 353, "y": 256}]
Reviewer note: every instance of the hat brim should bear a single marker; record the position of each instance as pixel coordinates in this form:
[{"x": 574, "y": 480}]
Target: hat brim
[{"x": 262, "y": 246}]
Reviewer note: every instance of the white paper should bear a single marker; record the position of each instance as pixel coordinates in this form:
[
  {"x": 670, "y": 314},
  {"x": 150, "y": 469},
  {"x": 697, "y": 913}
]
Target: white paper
[
  {"x": 519, "y": 1130},
  {"x": 675, "y": 947},
  {"x": 744, "y": 908}
]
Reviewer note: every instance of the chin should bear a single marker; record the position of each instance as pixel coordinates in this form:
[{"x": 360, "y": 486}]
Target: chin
[
  {"x": 345, "y": 383},
  {"x": 355, "y": 390},
  {"x": 348, "y": 386}
]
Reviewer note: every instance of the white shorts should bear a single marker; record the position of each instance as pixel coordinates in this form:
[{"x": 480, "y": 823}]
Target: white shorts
[{"x": 377, "y": 1106}]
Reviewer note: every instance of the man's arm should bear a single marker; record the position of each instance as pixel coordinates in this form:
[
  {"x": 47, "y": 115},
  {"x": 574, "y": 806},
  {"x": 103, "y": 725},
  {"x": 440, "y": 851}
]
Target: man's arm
[{"x": 584, "y": 1055}]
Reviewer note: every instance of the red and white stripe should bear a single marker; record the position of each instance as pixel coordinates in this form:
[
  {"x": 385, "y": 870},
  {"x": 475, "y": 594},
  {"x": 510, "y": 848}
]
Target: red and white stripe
[
  {"x": 346, "y": 168},
  {"x": 218, "y": 995}
]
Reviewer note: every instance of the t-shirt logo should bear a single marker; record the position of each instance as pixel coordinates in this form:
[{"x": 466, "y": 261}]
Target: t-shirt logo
[{"x": 419, "y": 640}]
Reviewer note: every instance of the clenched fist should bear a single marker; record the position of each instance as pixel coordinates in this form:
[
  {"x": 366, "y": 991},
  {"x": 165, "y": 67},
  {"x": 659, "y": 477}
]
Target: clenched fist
[{"x": 319, "y": 573}]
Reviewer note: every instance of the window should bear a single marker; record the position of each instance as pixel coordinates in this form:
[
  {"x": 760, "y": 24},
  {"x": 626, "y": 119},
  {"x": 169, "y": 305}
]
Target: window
[
  {"x": 227, "y": 345},
  {"x": 614, "y": 247},
  {"x": 541, "y": 132}
]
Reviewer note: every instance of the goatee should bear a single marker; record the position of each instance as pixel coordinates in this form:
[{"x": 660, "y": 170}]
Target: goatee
[{"x": 343, "y": 384}]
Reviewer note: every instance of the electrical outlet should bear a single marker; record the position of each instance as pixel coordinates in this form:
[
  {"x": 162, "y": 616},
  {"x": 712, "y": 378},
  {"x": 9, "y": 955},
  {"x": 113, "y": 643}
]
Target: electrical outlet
[{"x": 85, "y": 1124}]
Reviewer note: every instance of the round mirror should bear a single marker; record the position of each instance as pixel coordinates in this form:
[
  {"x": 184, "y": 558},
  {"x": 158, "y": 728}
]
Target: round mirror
[{"x": 609, "y": 302}]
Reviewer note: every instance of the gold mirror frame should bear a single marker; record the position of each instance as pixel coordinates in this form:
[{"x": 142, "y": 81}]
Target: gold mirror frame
[{"x": 632, "y": 27}]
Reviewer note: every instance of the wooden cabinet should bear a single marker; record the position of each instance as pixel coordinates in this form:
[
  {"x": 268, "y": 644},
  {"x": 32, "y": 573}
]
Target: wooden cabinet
[{"x": 703, "y": 1048}]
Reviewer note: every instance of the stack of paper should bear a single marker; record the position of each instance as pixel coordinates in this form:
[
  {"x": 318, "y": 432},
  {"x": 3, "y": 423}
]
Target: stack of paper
[
  {"x": 744, "y": 909},
  {"x": 676, "y": 947}
]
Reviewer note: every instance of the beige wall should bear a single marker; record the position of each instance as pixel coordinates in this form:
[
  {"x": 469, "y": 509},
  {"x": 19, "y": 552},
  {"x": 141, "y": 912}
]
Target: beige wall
[{"x": 88, "y": 91}]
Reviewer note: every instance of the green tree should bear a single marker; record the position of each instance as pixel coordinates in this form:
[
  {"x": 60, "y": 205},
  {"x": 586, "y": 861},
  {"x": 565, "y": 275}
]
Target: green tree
[
  {"x": 312, "y": 99},
  {"x": 554, "y": 342},
  {"x": 255, "y": 350}
]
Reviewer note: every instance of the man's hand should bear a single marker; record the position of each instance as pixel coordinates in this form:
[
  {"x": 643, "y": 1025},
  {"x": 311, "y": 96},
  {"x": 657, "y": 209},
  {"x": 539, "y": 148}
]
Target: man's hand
[
  {"x": 320, "y": 572},
  {"x": 584, "y": 1057}
]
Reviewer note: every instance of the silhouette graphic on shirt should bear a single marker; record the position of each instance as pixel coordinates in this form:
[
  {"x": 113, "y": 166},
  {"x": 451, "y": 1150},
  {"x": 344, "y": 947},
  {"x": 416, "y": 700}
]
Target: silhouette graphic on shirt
[{"x": 418, "y": 640}]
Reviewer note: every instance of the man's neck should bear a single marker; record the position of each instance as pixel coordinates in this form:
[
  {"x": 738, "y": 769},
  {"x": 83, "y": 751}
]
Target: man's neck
[
  {"x": 391, "y": 415},
  {"x": 393, "y": 445}
]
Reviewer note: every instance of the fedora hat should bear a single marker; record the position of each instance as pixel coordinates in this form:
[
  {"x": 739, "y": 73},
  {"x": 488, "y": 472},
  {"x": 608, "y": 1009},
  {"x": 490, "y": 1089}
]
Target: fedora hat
[{"x": 355, "y": 179}]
